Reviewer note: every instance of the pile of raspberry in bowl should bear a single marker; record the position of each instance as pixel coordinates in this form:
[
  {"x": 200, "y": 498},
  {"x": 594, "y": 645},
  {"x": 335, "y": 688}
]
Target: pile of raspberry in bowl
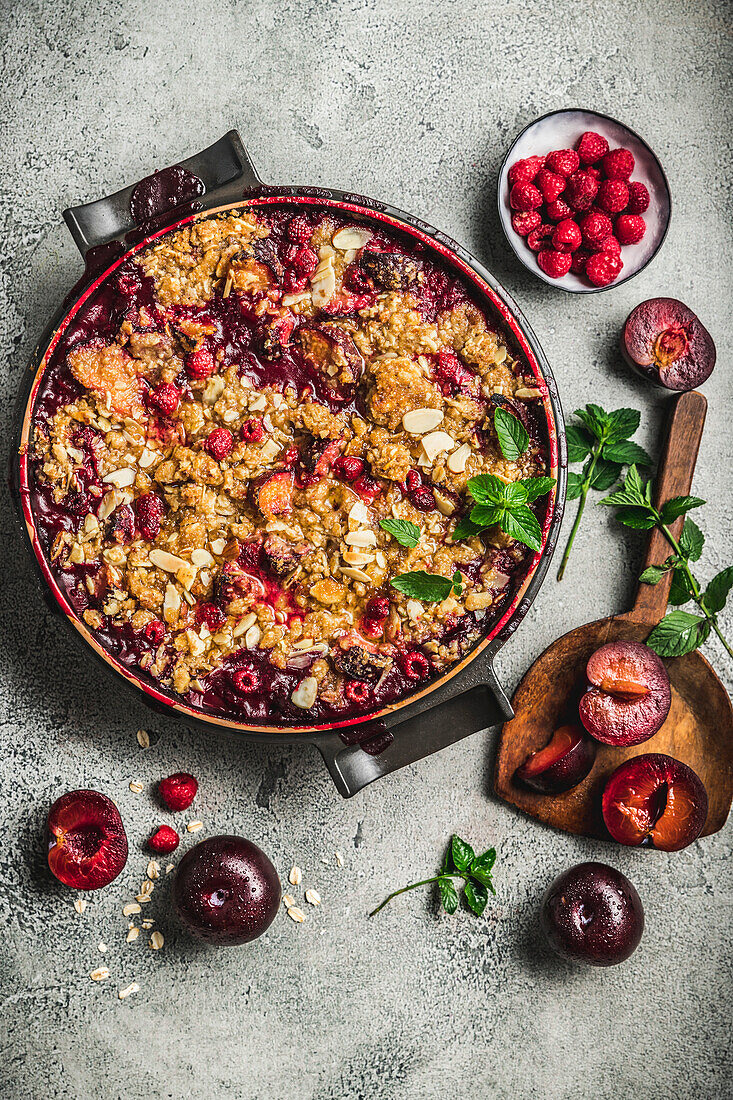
[{"x": 578, "y": 207}]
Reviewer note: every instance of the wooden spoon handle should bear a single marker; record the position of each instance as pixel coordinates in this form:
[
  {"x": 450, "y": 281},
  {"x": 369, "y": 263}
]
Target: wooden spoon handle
[{"x": 674, "y": 479}]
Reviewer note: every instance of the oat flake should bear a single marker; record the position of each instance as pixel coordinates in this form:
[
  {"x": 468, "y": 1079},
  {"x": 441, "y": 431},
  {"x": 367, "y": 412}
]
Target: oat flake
[
  {"x": 295, "y": 876},
  {"x": 313, "y": 897},
  {"x": 143, "y": 739},
  {"x": 80, "y": 905},
  {"x": 156, "y": 941},
  {"x": 132, "y": 988},
  {"x": 194, "y": 826},
  {"x": 136, "y": 787},
  {"x": 99, "y": 974},
  {"x": 296, "y": 914}
]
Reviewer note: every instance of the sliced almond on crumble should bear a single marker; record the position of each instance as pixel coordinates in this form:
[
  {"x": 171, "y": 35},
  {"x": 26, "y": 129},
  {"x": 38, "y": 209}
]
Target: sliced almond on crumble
[
  {"x": 356, "y": 574},
  {"x": 435, "y": 443},
  {"x": 213, "y": 390},
  {"x": 252, "y": 636},
  {"x": 169, "y": 563},
  {"x": 351, "y": 237},
  {"x": 456, "y": 462},
  {"x": 305, "y": 694},
  {"x": 361, "y": 538},
  {"x": 419, "y": 421},
  {"x": 120, "y": 478},
  {"x": 357, "y": 557},
  {"x": 201, "y": 557},
  {"x": 171, "y": 603}
]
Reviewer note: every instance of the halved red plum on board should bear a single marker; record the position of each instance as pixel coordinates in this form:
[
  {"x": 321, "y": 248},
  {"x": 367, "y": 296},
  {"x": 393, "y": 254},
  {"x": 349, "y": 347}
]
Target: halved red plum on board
[
  {"x": 664, "y": 340},
  {"x": 563, "y": 763},
  {"x": 592, "y": 914},
  {"x": 656, "y": 801},
  {"x": 629, "y": 695},
  {"x": 87, "y": 844}
]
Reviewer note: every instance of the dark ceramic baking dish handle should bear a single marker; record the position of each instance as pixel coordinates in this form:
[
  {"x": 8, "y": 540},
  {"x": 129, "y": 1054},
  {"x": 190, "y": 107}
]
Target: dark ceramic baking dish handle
[
  {"x": 224, "y": 168},
  {"x": 353, "y": 767}
]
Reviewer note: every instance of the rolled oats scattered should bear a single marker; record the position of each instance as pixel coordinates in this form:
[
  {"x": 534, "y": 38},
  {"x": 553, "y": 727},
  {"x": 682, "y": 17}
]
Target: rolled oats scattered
[
  {"x": 143, "y": 739},
  {"x": 136, "y": 787},
  {"x": 169, "y": 867},
  {"x": 130, "y": 909},
  {"x": 313, "y": 897},
  {"x": 132, "y": 935},
  {"x": 133, "y": 987},
  {"x": 156, "y": 941},
  {"x": 194, "y": 826},
  {"x": 148, "y": 924},
  {"x": 288, "y": 901},
  {"x": 80, "y": 905},
  {"x": 296, "y": 914},
  {"x": 142, "y": 898},
  {"x": 99, "y": 974},
  {"x": 295, "y": 876},
  {"x": 339, "y": 859},
  {"x": 147, "y": 887},
  {"x": 153, "y": 869}
]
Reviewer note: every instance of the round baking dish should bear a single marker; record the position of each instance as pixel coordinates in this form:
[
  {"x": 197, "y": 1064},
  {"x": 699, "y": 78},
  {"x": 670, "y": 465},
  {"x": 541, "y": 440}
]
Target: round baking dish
[{"x": 466, "y": 697}]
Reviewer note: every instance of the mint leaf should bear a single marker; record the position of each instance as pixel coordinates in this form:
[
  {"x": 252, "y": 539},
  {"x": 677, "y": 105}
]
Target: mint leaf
[
  {"x": 677, "y": 507},
  {"x": 521, "y": 524},
  {"x": 482, "y": 866},
  {"x": 486, "y": 489},
  {"x": 631, "y": 493},
  {"x": 595, "y": 419},
  {"x": 605, "y": 475},
  {"x": 406, "y": 533},
  {"x": 579, "y": 443},
  {"x": 462, "y": 853},
  {"x": 511, "y": 433},
  {"x": 575, "y": 486},
  {"x": 536, "y": 486},
  {"x": 678, "y": 633},
  {"x": 516, "y": 493},
  {"x": 486, "y": 515},
  {"x": 716, "y": 593},
  {"x": 626, "y": 453},
  {"x": 466, "y": 529},
  {"x": 457, "y": 582},
  {"x": 622, "y": 423},
  {"x": 476, "y": 895},
  {"x": 428, "y": 587},
  {"x": 653, "y": 574},
  {"x": 635, "y": 518},
  {"x": 692, "y": 540},
  {"x": 680, "y": 590},
  {"x": 448, "y": 894}
]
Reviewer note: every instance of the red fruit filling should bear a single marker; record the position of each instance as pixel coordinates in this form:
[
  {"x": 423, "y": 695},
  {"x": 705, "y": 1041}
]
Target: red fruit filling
[
  {"x": 200, "y": 363},
  {"x": 178, "y": 791},
  {"x": 164, "y": 840},
  {"x": 415, "y": 665},
  {"x": 655, "y": 800},
  {"x": 87, "y": 845},
  {"x": 166, "y": 397},
  {"x": 211, "y": 615},
  {"x": 629, "y": 695},
  {"x": 664, "y": 340},
  {"x": 252, "y": 431},
  {"x": 219, "y": 444},
  {"x": 149, "y": 510}
]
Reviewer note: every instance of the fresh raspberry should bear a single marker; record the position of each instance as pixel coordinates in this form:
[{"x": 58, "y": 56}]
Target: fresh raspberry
[
  {"x": 253, "y": 430},
  {"x": 638, "y": 198},
  {"x": 579, "y": 260},
  {"x": 550, "y": 184},
  {"x": 246, "y": 680},
  {"x": 299, "y": 230},
  {"x": 526, "y": 222},
  {"x": 453, "y": 377},
  {"x": 357, "y": 691},
  {"x": 610, "y": 245},
  {"x": 613, "y": 196},
  {"x": 154, "y": 631},
  {"x": 555, "y": 264},
  {"x": 178, "y": 791},
  {"x": 293, "y": 283},
  {"x": 538, "y": 236},
  {"x": 149, "y": 511},
  {"x": 367, "y": 487},
  {"x": 423, "y": 499},
  {"x": 165, "y": 840},
  {"x": 558, "y": 210},
  {"x": 581, "y": 190},
  {"x": 618, "y": 164},
  {"x": 415, "y": 665},
  {"x": 595, "y": 228},
  {"x": 200, "y": 363},
  {"x": 567, "y": 236},
  {"x": 524, "y": 196},
  {"x": 377, "y": 607},
  {"x": 591, "y": 147},
  {"x": 166, "y": 397},
  {"x": 210, "y": 614},
  {"x": 593, "y": 171},
  {"x": 219, "y": 444},
  {"x": 306, "y": 261},
  {"x": 563, "y": 161},
  {"x": 348, "y": 467},
  {"x": 602, "y": 268},
  {"x": 630, "y": 228},
  {"x": 524, "y": 171}
]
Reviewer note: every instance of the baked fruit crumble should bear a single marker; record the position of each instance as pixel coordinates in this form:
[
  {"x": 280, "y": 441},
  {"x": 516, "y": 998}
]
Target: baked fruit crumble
[{"x": 221, "y": 431}]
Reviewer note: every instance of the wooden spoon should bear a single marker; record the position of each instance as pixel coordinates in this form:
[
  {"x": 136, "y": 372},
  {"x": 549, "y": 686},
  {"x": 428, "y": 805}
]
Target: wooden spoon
[{"x": 699, "y": 728}]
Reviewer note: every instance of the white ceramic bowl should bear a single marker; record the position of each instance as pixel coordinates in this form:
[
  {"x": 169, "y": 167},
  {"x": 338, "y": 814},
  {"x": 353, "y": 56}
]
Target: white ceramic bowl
[{"x": 561, "y": 130}]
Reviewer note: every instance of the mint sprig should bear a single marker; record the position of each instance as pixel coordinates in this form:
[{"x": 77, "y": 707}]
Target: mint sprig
[
  {"x": 463, "y": 864},
  {"x": 405, "y": 532},
  {"x": 505, "y": 505},
  {"x": 511, "y": 433},
  {"x": 601, "y": 442},
  {"x": 679, "y": 632},
  {"x": 427, "y": 587}
]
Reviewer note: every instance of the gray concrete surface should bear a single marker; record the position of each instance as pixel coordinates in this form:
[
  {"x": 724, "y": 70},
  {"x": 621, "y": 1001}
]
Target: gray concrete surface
[{"x": 414, "y": 103}]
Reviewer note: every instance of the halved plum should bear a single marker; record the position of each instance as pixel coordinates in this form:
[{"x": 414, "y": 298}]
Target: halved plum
[
  {"x": 87, "y": 844},
  {"x": 665, "y": 341},
  {"x": 563, "y": 763},
  {"x": 655, "y": 800},
  {"x": 629, "y": 695}
]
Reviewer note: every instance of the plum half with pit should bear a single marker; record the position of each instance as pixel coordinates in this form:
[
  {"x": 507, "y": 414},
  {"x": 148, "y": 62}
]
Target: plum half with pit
[
  {"x": 87, "y": 843},
  {"x": 655, "y": 801},
  {"x": 664, "y": 340},
  {"x": 564, "y": 762},
  {"x": 628, "y": 696},
  {"x": 592, "y": 914},
  {"x": 226, "y": 891}
]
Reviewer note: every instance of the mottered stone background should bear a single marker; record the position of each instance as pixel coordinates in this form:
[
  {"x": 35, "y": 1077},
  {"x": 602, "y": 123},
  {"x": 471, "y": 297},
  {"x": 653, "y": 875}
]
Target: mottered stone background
[{"x": 413, "y": 103}]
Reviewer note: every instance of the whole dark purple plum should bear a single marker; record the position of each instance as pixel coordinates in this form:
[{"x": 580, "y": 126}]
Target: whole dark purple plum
[
  {"x": 592, "y": 914},
  {"x": 226, "y": 891}
]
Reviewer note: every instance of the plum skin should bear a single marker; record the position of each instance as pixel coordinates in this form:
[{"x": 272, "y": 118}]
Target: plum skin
[
  {"x": 633, "y": 810},
  {"x": 87, "y": 843},
  {"x": 565, "y": 771},
  {"x": 592, "y": 914},
  {"x": 664, "y": 340},
  {"x": 226, "y": 891},
  {"x": 625, "y": 711}
]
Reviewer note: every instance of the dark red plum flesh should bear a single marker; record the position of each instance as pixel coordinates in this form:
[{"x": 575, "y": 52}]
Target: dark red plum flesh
[
  {"x": 592, "y": 914},
  {"x": 87, "y": 843},
  {"x": 665, "y": 341},
  {"x": 655, "y": 800},
  {"x": 226, "y": 891},
  {"x": 628, "y": 696},
  {"x": 563, "y": 763}
]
